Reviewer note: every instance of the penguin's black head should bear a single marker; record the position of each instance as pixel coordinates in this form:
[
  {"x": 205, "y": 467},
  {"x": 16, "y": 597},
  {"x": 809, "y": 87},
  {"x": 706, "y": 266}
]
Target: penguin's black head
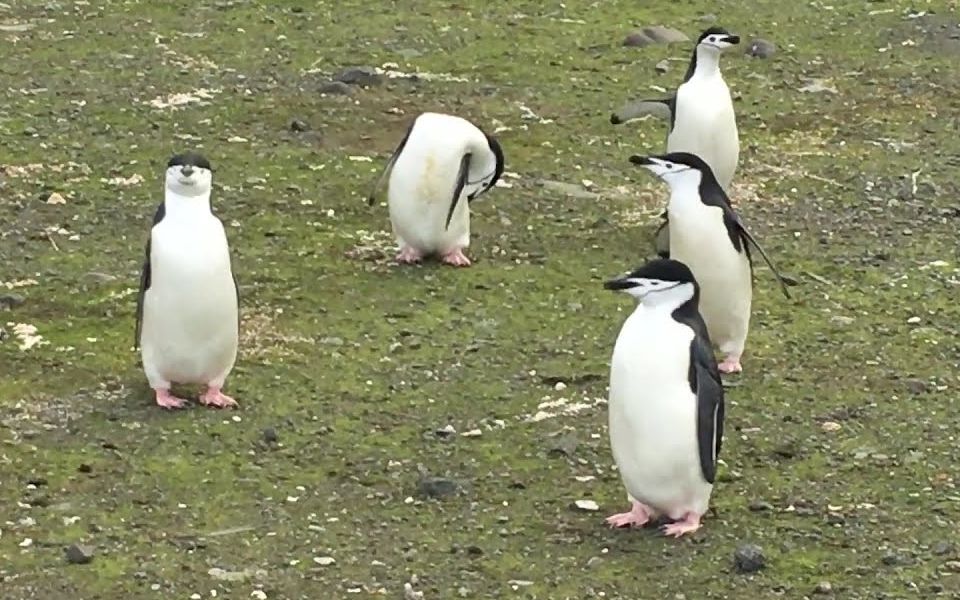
[
  {"x": 675, "y": 167},
  {"x": 189, "y": 174},
  {"x": 656, "y": 277},
  {"x": 717, "y": 37},
  {"x": 491, "y": 180}
]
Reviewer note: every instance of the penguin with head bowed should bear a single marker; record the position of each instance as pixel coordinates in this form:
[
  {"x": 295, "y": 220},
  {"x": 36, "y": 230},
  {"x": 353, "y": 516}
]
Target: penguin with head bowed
[
  {"x": 441, "y": 165},
  {"x": 187, "y": 325},
  {"x": 711, "y": 239},
  {"x": 700, "y": 113},
  {"x": 666, "y": 404}
]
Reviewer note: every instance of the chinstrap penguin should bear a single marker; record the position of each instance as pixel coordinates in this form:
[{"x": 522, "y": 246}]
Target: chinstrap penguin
[
  {"x": 666, "y": 404},
  {"x": 711, "y": 239},
  {"x": 188, "y": 307},
  {"x": 440, "y": 160},
  {"x": 700, "y": 113}
]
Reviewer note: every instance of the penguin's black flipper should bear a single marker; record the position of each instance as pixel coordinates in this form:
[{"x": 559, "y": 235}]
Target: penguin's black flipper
[
  {"x": 458, "y": 188},
  {"x": 145, "y": 276},
  {"x": 749, "y": 240},
  {"x": 371, "y": 198},
  {"x": 705, "y": 379}
]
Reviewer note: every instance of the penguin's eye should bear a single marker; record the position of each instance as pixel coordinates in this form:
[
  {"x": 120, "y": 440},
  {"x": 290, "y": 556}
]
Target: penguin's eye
[{"x": 713, "y": 39}]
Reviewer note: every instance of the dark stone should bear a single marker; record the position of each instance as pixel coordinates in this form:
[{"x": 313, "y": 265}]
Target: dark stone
[
  {"x": 366, "y": 76},
  {"x": 914, "y": 386},
  {"x": 79, "y": 554},
  {"x": 823, "y": 588},
  {"x": 299, "y": 125},
  {"x": 270, "y": 435},
  {"x": 748, "y": 558},
  {"x": 942, "y": 548},
  {"x": 11, "y": 301},
  {"x": 85, "y": 468},
  {"x": 563, "y": 447},
  {"x": 437, "y": 487},
  {"x": 760, "y": 48},
  {"x": 336, "y": 88},
  {"x": 474, "y": 551},
  {"x": 760, "y": 506}
]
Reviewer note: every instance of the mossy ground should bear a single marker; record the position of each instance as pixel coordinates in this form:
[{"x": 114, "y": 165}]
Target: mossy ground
[{"x": 354, "y": 362}]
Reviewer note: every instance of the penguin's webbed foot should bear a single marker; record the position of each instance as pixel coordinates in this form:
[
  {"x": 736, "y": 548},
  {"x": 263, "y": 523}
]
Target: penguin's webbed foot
[
  {"x": 217, "y": 399},
  {"x": 167, "y": 400},
  {"x": 638, "y": 516},
  {"x": 409, "y": 256},
  {"x": 456, "y": 258},
  {"x": 730, "y": 364},
  {"x": 688, "y": 524}
]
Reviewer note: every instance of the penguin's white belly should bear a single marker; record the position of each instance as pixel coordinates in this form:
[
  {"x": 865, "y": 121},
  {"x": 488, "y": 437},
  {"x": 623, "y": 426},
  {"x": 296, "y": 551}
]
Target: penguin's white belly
[
  {"x": 653, "y": 415},
  {"x": 706, "y": 125},
  {"x": 190, "y": 331},
  {"x": 419, "y": 196},
  {"x": 699, "y": 239}
]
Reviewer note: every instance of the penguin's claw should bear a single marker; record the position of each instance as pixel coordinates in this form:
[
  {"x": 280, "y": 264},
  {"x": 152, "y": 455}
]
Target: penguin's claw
[
  {"x": 408, "y": 256},
  {"x": 167, "y": 400},
  {"x": 456, "y": 258},
  {"x": 638, "y": 516},
  {"x": 689, "y": 524},
  {"x": 730, "y": 365},
  {"x": 217, "y": 399}
]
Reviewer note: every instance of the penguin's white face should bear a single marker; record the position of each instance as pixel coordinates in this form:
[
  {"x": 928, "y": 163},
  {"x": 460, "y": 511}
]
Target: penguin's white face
[
  {"x": 652, "y": 291},
  {"x": 674, "y": 173},
  {"x": 189, "y": 180}
]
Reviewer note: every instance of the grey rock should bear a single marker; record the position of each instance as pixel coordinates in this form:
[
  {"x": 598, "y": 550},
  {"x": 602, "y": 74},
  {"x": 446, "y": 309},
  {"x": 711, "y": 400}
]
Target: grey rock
[
  {"x": 708, "y": 18},
  {"x": 942, "y": 548},
  {"x": 895, "y": 559},
  {"x": 570, "y": 189},
  {"x": 823, "y": 588},
  {"x": 663, "y": 66},
  {"x": 79, "y": 554},
  {"x": 299, "y": 125},
  {"x": 563, "y": 447},
  {"x": 760, "y": 506},
  {"x": 437, "y": 487},
  {"x": 336, "y": 88},
  {"x": 270, "y": 435},
  {"x": 657, "y": 34},
  {"x": 914, "y": 386},
  {"x": 760, "y": 48},
  {"x": 366, "y": 76},
  {"x": 748, "y": 558},
  {"x": 11, "y": 301}
]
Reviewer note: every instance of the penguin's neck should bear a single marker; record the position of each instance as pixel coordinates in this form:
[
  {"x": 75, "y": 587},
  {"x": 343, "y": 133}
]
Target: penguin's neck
[
  {"x": 668, "y": 300},
  {"x": 186, "y": 208},
  {"x": 684, "y": 189},
  {"x": 708, "y": 64}
]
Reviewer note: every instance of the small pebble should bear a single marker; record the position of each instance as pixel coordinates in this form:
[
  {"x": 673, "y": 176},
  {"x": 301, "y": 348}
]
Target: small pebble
[
  {"x": 823, "y": 588},
  {"x": 748, "y": 558},
  {"x": 760, "y": 48},
  {"x": 587, "y": 505},
  {"x": 324, "y": 561}
]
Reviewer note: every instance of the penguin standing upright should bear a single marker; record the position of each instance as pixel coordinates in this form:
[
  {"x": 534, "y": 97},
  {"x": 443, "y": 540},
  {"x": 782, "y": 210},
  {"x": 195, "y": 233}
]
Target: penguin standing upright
[
  {"x": 701, "y": 114},
  {"x": 441, "y": 159},
  {"x": 188, "y": 307},
  {"x": 666, "y": 404},
  {"x": 711, "y": 239}
]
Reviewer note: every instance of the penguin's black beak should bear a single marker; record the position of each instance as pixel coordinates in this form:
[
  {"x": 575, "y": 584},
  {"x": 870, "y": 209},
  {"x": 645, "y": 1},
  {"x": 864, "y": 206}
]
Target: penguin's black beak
[
  {"x": 187, "y": 171},
  {"x": 643, "y": 161},
  {"x": 618, "y": 284},
  {"x": 732, "y": 39}
]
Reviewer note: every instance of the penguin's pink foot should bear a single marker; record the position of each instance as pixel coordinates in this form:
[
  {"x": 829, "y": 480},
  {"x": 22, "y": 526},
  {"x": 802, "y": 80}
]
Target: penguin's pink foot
[
  {"x": 456, "y": 258},
  {"x": 217, "y": 399},
  {"x": 688, "y": 524},
  {"x": 730, "y": 364},
  {"x": 167, "y": 400},
  {"x": 409, "y": 256},
  {"x": 638, "y": 516}
]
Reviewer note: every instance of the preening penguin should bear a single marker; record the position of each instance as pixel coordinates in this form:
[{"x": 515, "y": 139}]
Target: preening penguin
[
  {"x": 187, "y": 325},
  {"x": 711, "y": 239},
  {"x": 666, "y": 404},
  {"x": 700, "y": 112},
  {"x": 441, "y": 159}
]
